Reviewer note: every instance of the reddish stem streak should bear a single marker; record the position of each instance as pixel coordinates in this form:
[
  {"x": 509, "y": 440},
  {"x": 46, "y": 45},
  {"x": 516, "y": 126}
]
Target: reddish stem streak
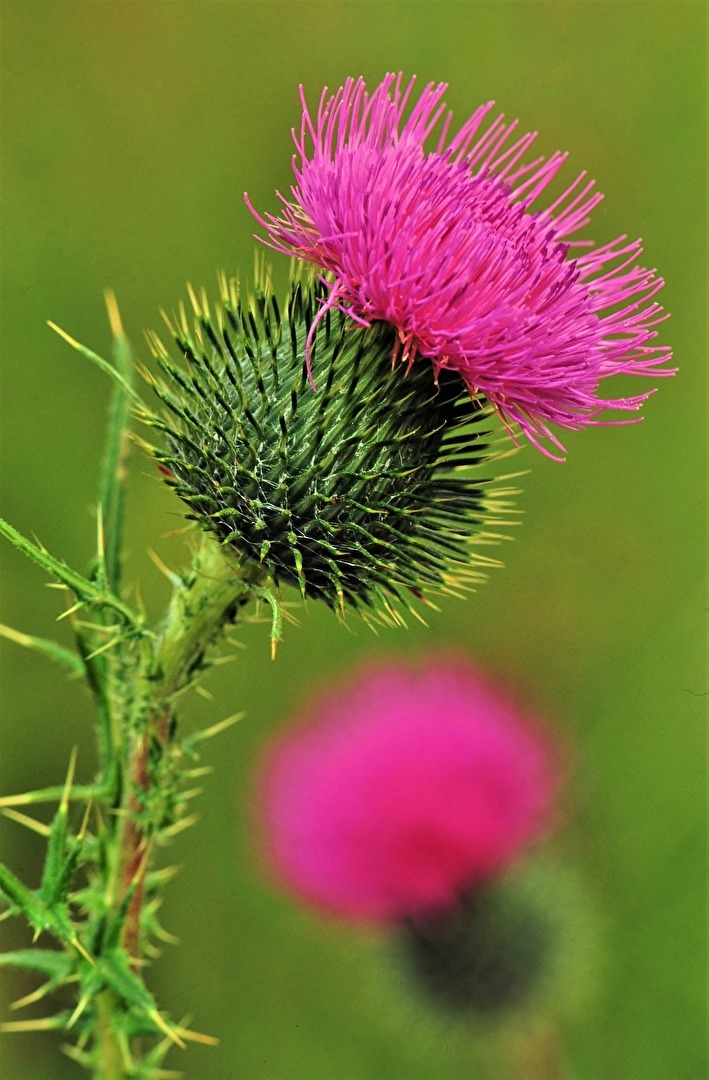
[{"x": 134, "y": 842}]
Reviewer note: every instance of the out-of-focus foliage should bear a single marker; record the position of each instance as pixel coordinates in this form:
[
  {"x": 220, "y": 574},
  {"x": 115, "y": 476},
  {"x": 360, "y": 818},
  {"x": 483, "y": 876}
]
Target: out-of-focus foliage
[{"x": 130, "y": 131}]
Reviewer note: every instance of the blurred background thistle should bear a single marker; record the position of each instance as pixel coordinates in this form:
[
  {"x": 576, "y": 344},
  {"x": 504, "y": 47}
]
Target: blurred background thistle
[{"x": 598, "y": 610}]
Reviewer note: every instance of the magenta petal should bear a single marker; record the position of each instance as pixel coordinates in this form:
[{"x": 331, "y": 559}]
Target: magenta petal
[{"x": 445, "y": 246}]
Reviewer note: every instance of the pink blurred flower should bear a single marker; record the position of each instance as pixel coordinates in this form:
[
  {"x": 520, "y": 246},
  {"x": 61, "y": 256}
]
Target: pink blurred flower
[
  {"x": 445, "y": 246},
  {"x": 403, "y": 789}
]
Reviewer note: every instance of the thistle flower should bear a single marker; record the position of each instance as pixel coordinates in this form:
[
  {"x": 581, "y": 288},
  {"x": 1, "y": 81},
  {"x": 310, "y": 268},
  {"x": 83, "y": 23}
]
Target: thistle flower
[
  {"x": 450, "y": 249},
  {"x": 404, "y": 790},
  {"x": 367, "y": 493}
]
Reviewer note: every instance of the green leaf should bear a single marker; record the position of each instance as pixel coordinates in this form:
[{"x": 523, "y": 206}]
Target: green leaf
[
  {"x": 113, "y": 474},
  {"x": 82, "y": 588},
  {"x": 51, "y": 794},
  {"x": 21, "y": 897},
  {"x": 42, "y": 645},
  {"x": 118, "y": 376},
  {"x": 63, "y": 850},
  {"x": 55, "y": 919},
  {"x": 115, "y": 969},
  {"x": 51, "y": 962}
]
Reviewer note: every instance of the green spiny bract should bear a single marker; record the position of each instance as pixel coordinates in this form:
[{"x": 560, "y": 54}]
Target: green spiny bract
[{"x": 364, "y": 490}]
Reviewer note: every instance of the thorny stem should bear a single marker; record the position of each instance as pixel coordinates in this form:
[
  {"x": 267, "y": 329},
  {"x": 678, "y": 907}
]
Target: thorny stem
[{"x": 204, "y": 602}]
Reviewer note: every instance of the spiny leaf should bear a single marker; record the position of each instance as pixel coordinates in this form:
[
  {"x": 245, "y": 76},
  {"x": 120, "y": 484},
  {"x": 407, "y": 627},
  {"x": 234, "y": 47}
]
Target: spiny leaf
[
  {"x": 55, "y": 920},
  {"x": 105, "y": 366},
  {"x": 52, "y": 794},
  {"x": 51, "y": 962},
  {"x": 115, "y": 971},
  {"x": 22, "y": 897},
  {"x": 42, "y": 645},
  {"x": 54, "y": 874},
  {"x": 86, "y": 591},
  {"x": 113, "y": 474}
]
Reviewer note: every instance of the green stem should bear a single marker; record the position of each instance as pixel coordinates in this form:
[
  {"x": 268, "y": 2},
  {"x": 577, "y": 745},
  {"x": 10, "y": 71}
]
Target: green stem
[
  {"x": 540, "y": 1057},
  {"x": 54, "y": 794},
  {"x": 205, "y": 602},
  {"x": 110, "y": 1064}
]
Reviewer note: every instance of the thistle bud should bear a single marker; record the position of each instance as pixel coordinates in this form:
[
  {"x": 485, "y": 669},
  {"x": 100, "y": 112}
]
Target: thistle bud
[{"x": 358, "y": 482}]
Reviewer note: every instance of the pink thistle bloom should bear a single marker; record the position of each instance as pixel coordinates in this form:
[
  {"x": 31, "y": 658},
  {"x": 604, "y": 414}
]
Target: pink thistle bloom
[
  {"x": 403, "y": 789},
  {"x": 445, "y": 245}
]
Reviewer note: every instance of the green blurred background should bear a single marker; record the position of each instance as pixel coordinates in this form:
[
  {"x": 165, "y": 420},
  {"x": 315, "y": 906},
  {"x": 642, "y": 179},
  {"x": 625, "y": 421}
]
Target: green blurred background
[{"x": 129, "y": 133}]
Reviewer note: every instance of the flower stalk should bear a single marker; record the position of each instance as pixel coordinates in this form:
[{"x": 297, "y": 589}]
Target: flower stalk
[
  {"x": 110, "y": 1058},
  {"x": 204, "y": 602},
  {"x": 540, "y": 1058}
]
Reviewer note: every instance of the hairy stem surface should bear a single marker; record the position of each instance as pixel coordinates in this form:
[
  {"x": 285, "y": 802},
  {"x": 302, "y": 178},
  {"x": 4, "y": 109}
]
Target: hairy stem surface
[{"x": 205, "y": 601}]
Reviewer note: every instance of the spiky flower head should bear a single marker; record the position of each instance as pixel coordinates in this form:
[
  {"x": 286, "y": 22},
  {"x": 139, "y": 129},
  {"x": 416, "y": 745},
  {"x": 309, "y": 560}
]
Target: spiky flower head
[
  {"x": 451, "y": 248},
  {"x": 370, "y": 492},
  {"x": 405, "y": 789}
]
